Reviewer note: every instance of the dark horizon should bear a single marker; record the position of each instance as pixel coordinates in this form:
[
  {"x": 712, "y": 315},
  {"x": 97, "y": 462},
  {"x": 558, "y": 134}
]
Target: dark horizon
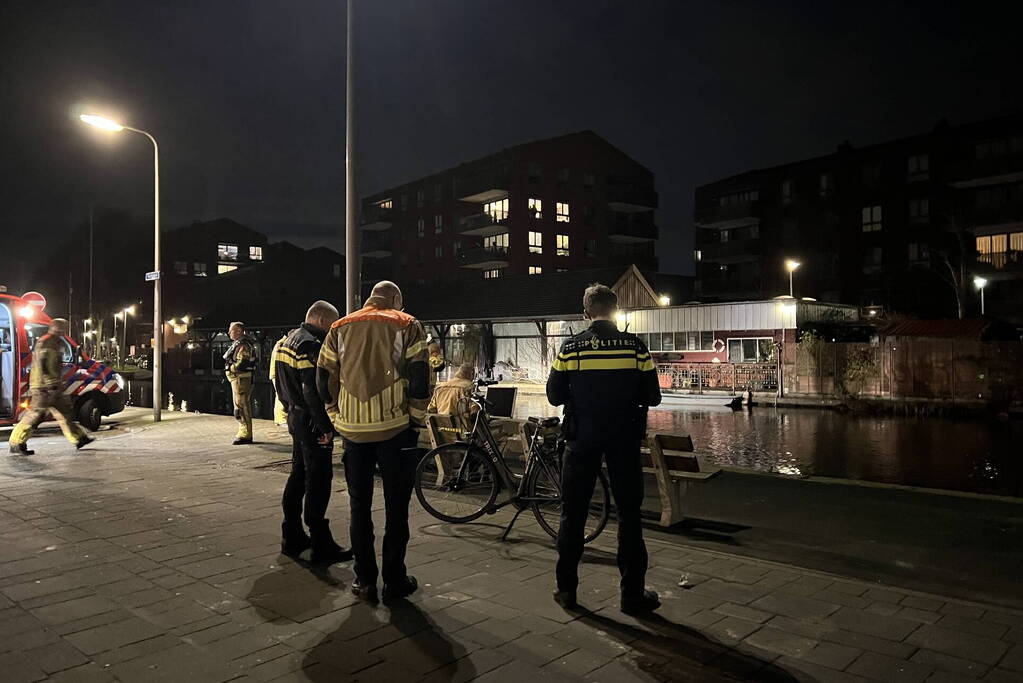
[{"x": 249, "y": 105}]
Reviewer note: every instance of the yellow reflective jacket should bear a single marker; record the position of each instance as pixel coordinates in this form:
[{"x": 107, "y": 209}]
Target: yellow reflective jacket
[
  {"x": 47, "y": 363},
  {"x": 377, "y": 373}
]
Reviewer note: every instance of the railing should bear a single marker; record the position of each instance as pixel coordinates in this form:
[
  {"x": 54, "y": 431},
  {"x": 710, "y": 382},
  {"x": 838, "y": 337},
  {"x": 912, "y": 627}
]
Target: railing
[
  {"x": 695, "y": 378},
  {"x": 633, "y": 230},
  {"x": 481, "y": 221},
  {"x": 728, "y": 216},
  {"x": 1000, "y": 259},
  {"x": 377, "y": 218},
  {"x": 631, "y": 193},
  {"x": 481, "y": 255}
]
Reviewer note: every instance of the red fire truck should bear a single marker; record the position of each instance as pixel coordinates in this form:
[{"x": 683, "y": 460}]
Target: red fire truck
[{"x": 95, "y": 389}]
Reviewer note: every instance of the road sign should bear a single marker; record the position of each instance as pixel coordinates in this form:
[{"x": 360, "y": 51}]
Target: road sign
[
  {"x": 35, "y": 299},
  {"x": 152, "y": 275}
]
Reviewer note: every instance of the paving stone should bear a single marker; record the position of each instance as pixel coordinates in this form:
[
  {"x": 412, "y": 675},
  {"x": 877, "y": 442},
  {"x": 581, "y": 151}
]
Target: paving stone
[
  {"x": 871, "y": 643},
  {"x": 987, "y": 629},
  {"x": 578, "y": 662},
  {"x": 1013, "y": 660},
  {"x": 536, "y": 649},
  {"x": 892, "y": 628},
  {"x": 832, "y": 656},
  {"x": 1002, "y": 676},
  {"x": 962, "y": 610},
  {"x": 743, "y": 612},
  {"x": 885, "y": 595},
  {"x": 795, "y": 606},
  {"x": 775, "y": 640},
  {"x": 956, "y": 665},
  {"x": 738, "y": 593},
  {"x": 958, "y": 644},
  {"x": 920, "y": 615},
  {"x": 113, "y": 635},
  {"x": 884, "y": 668},
  {"x": 919, "y": 602},
  {"x": 815, "y": 673}
]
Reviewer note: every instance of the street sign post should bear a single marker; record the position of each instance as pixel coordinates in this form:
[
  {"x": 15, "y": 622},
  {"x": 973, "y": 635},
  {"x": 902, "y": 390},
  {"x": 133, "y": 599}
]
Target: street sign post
[{"x": 152, "y": 275}]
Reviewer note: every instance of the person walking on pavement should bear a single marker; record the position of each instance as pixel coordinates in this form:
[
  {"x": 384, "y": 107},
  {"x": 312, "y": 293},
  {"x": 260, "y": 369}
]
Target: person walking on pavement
[
  {"x": 239, "y": 362},
  {"x": 312, "y": 435},
  {"x": 606, "y": 380},
  {"x": 46, "y": 384},
  {"x": 373, "y": 375}
]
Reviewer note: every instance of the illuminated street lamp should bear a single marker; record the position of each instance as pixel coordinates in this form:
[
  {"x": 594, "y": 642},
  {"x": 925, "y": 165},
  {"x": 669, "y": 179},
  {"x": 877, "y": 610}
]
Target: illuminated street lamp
[
  {"x": 130, "y": 310},
  {"x": 664, "y": 300},
  {"x": 980, "y": 283},
  {"x": 107, "y": 124},
  {"x": 791, "y": 266}
]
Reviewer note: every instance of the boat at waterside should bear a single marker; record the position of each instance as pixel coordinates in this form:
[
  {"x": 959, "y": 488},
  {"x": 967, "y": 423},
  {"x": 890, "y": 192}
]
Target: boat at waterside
[{"x": 702, "y": 400}]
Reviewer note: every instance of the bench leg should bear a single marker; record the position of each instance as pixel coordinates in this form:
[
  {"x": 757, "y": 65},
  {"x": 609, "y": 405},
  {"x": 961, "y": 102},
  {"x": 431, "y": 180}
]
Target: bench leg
[{"x": 673, "y": 496}]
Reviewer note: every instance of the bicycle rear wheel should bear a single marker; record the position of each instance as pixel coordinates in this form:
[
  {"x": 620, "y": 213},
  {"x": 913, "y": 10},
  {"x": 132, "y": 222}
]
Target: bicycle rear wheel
[
  {"x": 547, "y": 510},
  {"x": 456, "y": 483}
]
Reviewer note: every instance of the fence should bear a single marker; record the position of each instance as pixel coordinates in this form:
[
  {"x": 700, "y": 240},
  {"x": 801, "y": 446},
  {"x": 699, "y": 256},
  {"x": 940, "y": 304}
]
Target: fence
[
  {"x": 935, "y": 369},
  {"x": 695, "y": 378}
]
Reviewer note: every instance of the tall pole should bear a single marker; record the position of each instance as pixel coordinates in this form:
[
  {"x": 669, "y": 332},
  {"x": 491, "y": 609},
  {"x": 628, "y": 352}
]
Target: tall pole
[
  {"x": 982, "y": 301},
  {"x": 124, "y": 335},
  {"x": 790, "y": 284},
  {"x": 351, "y": 200},
  {"x": 90, "y": 273}
]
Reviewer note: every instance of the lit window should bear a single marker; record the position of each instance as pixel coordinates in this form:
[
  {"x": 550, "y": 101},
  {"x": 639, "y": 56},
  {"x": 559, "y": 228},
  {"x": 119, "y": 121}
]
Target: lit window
[
  {"x": 420, "y": 228},
  {"x": 535, "y": 208},
  {"x": 227, "y": 252},
  {"x": 438, "y": 251},
  {"x": 386, "y": 204},
  {"x": 871, "y": 218},
  {"x": 255, "y": 253},
  {"x": 561, "y": 209},
  {"x": 438, "y": 223},
  {"x": 919, "y": 210},
  {"x": 496, "y": 241},
  {"x": 535, "y": 242},
  {"x": 562, "y": 245},
  {"x": 491, "y": 274},
  {"x": 918, "y": 167},
  {"x": 181, "y": 267},
  {"x": 199, "y": 269},
  {"x": 751, "y": 350},
  {"x": 535, "y": 270},
  {"x": 984, "y": 245},
  {"x": 697, "y": 255},
  {"x": 1016, "y": 241},
  {"x": 497, "y": 210},
  {"x": 222, "y": 268}
]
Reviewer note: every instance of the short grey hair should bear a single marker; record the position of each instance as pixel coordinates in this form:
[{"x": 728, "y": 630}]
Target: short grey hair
[
  {"x": 322, "y": 309},
  {"x": 59, "y": 325},
  {"x": 238, "y": 324}
]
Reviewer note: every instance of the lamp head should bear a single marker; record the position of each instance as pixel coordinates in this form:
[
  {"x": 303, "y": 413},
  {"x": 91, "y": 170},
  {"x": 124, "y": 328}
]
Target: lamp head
[
  {"x": 791, "y": 265},
  {"x": 101, "y": 122},
  {"x": 664, "y": 300},
  {"x": 979, "y": 282}
]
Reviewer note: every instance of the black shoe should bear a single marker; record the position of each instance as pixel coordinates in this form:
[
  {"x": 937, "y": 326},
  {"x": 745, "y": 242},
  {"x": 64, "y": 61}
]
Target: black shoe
[
  {"x": 364, "y": 592},
  {"x": 21, "y": 449},
  {"x": 402, "y": 589},
  {"x": 566, "y": 599},
  {"x": 84, "y": 441},
  {"x": 325, "y": 549},
  {"x": 646, "y": 602},
  {"x": 294, "y": 540},
  {"x": 241, "y": 441}
]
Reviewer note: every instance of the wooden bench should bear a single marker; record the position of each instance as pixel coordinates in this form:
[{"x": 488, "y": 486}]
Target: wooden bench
[{"x": 670, "y": 459}]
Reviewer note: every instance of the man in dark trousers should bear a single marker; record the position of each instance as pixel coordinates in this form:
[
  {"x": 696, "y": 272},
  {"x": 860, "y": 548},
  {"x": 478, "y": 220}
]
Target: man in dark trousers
[
  {"x": 312, "y": 438},
  {"x": 606, "y": 380},
  {"x": 373, "y": 375}
]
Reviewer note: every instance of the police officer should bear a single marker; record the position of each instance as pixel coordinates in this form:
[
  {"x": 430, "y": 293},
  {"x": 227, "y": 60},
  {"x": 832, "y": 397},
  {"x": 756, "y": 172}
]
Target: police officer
[
  {"x": 312, "y": 435},
  {"x": 48, "y": 398},
  {"x": 606, "y": 380},
  {"x": 239, "y": 362}
]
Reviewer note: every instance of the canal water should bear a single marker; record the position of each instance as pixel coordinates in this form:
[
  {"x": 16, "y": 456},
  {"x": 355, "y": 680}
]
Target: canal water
[{"x": 976, "y": 455}]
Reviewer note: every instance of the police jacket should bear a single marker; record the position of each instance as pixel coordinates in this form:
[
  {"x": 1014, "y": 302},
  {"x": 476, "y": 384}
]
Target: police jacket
[
  {"x": 606, "y": 379},
  {"x": 294, "y": 364}
]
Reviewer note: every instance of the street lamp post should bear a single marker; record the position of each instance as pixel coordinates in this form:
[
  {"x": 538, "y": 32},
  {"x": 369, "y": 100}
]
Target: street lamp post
[
  {"x": 130, "y": 310},
  {"x": 980, "y": 283},
  {"x": 107, "y": 124},
  {"x": 791, "y": 266},
  {"x": 352, "y": 260}
]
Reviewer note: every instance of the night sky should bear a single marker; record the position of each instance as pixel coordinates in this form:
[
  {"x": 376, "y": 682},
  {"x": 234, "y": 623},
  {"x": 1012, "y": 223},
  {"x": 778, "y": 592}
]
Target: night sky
[{"x": 247, "y": 97}]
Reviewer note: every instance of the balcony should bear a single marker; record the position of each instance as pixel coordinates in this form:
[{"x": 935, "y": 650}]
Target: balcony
[
  {"x": 486, "y": 186},
  {"x": 483, "y": 225},
  {"x": 727, "y": 217},
  {"x": 377, "y": 218},
  {"x": 982, "y": 172},
  {"x": 630, "y": 232},
  {"x": 1001, "y": 259},
  {"x": 631, "y": 197},
  {"x": 733, "y": 251},
  {"x": 484, "y": 258},
  {"x": 376, "y": 244}
]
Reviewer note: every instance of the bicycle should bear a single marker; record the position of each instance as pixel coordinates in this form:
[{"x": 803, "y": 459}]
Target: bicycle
[{"x": 459, "y": 482}]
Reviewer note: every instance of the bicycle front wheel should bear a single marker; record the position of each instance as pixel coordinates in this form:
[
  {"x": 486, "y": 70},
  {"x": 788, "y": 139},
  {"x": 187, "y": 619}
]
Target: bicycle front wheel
[
  {"x": 546, "y": 495},
  {"x": 456, "y": 483}
]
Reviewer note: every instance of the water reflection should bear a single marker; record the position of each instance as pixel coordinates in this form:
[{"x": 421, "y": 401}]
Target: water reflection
[{"x": 962, "y": 455}]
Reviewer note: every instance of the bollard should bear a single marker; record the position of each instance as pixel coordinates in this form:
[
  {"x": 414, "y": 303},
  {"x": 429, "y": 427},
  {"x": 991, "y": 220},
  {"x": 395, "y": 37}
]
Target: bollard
[
  {"x": 184, "y": 406},
  {"x": 170, "y": 402}
]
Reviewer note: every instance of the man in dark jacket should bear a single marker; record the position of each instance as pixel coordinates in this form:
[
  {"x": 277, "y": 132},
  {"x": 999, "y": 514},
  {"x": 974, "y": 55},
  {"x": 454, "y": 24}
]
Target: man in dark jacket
[
  {"x": 606, "y": 380},
  {"x": 312, "y": 437}
]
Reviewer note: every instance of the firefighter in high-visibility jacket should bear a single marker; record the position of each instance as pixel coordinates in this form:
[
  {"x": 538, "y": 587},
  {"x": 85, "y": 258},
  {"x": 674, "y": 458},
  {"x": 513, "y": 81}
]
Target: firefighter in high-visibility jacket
[
  {"x": 48, "y": 398},
  {"x": 239, "y": 362},
  {"x": 606, "y": 380}
]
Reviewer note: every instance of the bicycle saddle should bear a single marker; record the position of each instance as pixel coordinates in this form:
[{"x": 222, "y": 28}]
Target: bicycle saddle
[{"x": 550, "y": 422}]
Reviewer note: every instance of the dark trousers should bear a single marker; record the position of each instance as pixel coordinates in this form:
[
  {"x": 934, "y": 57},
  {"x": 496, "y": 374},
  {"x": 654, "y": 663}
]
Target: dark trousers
[
  {"x": 397, "y": 460},
  {"x": 310, "y": 478},
  {"x": 579, "y": 475}
]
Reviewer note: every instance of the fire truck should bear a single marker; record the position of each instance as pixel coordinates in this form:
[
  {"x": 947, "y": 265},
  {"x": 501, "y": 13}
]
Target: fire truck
[{"x": 95, "y": 389}]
